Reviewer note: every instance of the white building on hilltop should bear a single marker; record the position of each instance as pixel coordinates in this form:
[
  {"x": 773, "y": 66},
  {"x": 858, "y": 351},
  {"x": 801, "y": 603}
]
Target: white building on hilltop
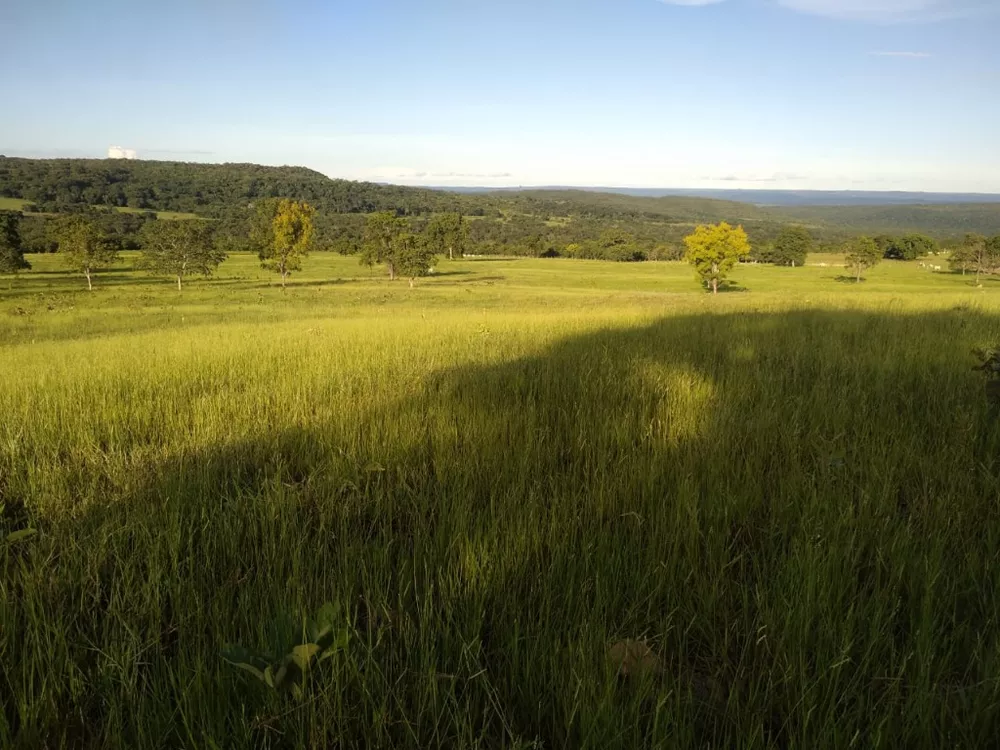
[{"x": 117, "y": 152}]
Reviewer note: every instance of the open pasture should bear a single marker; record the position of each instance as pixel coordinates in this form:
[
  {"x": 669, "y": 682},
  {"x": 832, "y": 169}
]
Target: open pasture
[{"x": 788, "y": 493}]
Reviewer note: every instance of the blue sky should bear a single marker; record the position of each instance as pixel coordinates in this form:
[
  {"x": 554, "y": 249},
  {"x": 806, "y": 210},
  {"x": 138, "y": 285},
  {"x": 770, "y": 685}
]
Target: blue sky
[{"x": 827, "y": 94}]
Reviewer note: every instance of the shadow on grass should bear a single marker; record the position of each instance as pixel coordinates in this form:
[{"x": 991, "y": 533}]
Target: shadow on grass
[
  {"x": 307, "y": 283},
  {"x": 760, "y": 496}
]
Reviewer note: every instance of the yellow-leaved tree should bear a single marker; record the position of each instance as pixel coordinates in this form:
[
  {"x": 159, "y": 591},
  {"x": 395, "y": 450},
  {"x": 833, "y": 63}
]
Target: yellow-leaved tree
[
  {"x": 283, "y": 234},
  {"x": 714, "y": 249}
]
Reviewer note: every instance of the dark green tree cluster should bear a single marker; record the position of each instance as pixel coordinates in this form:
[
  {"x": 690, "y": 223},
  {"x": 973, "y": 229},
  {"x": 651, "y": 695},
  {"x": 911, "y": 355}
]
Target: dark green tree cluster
[
  {"x": 389, "y": 241},
  {"x": 905, "y": 247},
  {"x": 789, "y": 248},
  {"x": 54, "y": 185},
  {"x": 11, "y": 249},
  {"x": 977, "y": 254}
]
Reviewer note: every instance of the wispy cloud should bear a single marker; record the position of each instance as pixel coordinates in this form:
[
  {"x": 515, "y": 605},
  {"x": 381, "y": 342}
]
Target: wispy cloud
[
  {"x": 893, "y": 11},
  {"x": 409, "y": 175},
  {"x": 176, "y": 152},
  {"x": 776, "y": 177},
  {"x": 912, "y": 55}
]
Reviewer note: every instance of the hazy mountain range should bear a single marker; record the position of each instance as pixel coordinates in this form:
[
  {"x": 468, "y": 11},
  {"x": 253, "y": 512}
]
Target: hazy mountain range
[{"x": 774, "y": 197}]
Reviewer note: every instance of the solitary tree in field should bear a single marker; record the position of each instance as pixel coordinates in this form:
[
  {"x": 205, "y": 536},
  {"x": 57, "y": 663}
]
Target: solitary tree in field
[
  {"x": 11, "y": 252},
  {"x": 447, "y": 233},
  {"x": 85, "y": 247},
  {"x": 180, "y": 248},
  {"x": 382, "y": 230},
  {"x": 286, "y": 239},
  {"x": 792, "y": 246},
  {"x": 713, "y": 250},
  {"x": 862, "y": 253},
  {"x": 413, "y": 256}
]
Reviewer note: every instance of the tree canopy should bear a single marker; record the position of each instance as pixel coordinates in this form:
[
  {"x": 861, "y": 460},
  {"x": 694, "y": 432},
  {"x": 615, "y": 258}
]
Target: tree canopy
[
  {"x": 791, "y": 247},
  {"x": 85, "y": 247},
  {"x": 862, "y": 252},
  {"x": 11, "y": 250},
  {"x": 713, "y": 250},
  {"x": 447, "y": 233},
  {"x": 284, "y": 232},
  {"x": 380, "y": 243},
  {"x": 180, "y": 248}
]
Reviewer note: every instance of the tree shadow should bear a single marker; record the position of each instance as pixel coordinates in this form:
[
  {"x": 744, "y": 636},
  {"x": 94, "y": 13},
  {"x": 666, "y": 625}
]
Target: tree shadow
[
  {"x": 307, "y": 283},
  {"x": 448, "y": 273},
  {"x": 738, "y": 489}
]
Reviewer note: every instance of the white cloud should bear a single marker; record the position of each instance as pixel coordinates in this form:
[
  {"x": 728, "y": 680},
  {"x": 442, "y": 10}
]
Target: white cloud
[
  {"x": 913, "y": 55},
  {"x": 117, "y": 152},
  {"x": 888, "y": 11}
]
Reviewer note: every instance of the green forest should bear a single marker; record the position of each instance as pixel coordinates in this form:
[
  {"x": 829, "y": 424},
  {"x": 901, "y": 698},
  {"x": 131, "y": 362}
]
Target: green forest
[{"x": 123, "y": 195}]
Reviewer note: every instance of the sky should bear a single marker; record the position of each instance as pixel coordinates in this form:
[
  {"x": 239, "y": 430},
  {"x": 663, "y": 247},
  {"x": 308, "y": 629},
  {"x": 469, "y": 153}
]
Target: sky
[{"x": 777, "y": 94}]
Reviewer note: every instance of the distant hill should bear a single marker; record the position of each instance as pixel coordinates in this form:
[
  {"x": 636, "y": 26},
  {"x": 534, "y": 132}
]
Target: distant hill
[
  {"x": 224, "y": 190},
  {"x": 768, "y": 197},
  {"x": 207, "y": 189}
]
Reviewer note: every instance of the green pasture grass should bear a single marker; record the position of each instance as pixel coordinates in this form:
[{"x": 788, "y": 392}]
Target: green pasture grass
[
  {"x": 17, "y": 204},
  {"x": 788, "y": 491},
  {"x": 167, "y": 215},
  {"x": 11, "y": 204}
]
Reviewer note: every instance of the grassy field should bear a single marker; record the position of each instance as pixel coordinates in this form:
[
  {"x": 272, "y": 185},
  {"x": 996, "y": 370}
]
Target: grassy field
[
  {"x": 168, "y": 215},
  {"x": 787, "y": 493},
  {"x": 11, "y": 204},
  {"x": 17, "y": 204}
]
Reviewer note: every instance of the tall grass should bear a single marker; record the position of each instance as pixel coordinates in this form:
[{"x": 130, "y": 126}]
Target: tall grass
[{"x": 791, "y": 495}]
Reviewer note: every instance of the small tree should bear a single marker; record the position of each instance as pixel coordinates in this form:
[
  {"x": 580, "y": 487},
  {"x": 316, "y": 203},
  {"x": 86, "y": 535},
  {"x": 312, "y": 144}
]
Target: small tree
[
  {"x": 413, "y": 257},
  {"x": 287, "y": 238},
  {"x": 713, "y": 250},
  {"x": 382, "y": 230},
  {"x": 180, "y": 248},
  {"x": 862, "y": 253},
  {"x": 447, "y": 233},
  {"x": 85, "y": 247},
  {"x": 791, "y": 247},
  {"x": 11, "y": 249}
]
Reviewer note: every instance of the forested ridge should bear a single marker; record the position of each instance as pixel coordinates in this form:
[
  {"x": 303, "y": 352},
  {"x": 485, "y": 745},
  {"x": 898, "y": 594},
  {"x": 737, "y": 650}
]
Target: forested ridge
[{"x": 535, "y": 222}]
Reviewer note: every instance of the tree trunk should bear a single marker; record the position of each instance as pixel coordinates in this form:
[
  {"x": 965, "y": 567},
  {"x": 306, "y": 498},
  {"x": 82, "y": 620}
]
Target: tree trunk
[
  {"x": 859, "y": 274},
  {"x": 411, "y": 283},
  {"x": 178, "y": 282},
  {"x": 90, "y": 285},
  {"x": 715, "y": 286},
  {"x": 451, "y": 253},
  {"x": 392, "y": 271}
]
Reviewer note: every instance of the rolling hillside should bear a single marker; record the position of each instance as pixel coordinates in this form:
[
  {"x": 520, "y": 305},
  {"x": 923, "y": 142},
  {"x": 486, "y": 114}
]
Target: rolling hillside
[{"x": 216, "y": 190}]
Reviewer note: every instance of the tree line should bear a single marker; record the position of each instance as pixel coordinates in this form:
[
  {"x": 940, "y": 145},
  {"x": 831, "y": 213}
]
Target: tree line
[
  {"x": 282, "y": 234},
  {"x": 283, "y": 231}
]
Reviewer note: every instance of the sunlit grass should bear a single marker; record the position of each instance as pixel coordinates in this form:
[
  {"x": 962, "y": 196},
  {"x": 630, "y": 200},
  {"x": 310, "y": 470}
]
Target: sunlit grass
[{"x": 789, "y": 492}]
